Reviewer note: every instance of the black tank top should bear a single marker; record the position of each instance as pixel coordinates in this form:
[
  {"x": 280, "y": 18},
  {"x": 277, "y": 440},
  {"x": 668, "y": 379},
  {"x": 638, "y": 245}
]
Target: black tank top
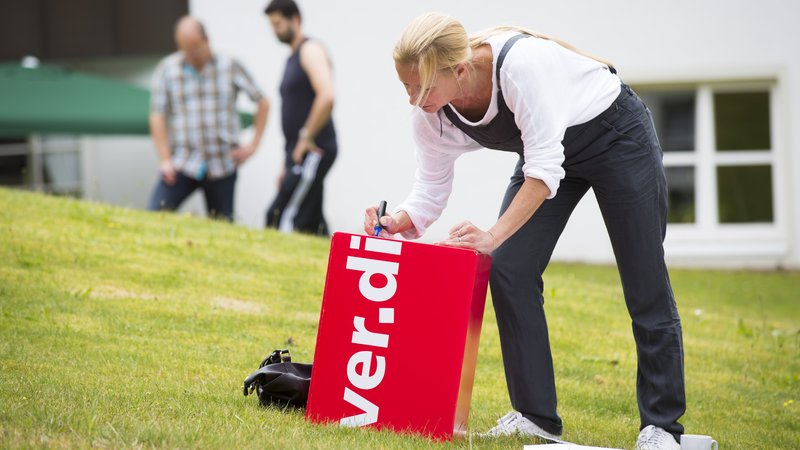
[{"x": 297, "y": 95}]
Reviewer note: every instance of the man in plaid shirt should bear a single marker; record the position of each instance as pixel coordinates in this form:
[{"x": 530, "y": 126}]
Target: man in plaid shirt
[{"x": 194, "y": 123}]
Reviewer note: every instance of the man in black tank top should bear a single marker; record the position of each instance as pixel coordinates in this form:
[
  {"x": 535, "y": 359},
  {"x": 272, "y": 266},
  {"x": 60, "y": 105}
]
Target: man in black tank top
[{"x": 307, "y": 102}]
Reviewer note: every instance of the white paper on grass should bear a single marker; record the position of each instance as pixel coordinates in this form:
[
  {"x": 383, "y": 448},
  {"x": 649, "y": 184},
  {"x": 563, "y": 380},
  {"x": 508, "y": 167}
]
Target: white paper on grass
[{"x": 564, "y": 447}]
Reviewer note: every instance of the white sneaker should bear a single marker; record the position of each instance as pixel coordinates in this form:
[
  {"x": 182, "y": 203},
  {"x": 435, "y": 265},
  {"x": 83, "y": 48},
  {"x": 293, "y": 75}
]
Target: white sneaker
[
  {"x": 515, "y": 423},
  {"x": 655, "y": 438}
]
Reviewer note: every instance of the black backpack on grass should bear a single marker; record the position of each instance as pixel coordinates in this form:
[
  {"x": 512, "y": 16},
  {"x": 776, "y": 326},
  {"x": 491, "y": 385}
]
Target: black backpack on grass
[{"x": 280, "y": 381}]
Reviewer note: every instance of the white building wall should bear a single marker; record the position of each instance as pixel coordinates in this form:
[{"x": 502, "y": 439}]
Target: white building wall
[{"x": 713, "y": 40}]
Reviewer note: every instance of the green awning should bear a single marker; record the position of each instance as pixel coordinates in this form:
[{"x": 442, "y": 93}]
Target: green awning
[{"x": 55, "y": 100}]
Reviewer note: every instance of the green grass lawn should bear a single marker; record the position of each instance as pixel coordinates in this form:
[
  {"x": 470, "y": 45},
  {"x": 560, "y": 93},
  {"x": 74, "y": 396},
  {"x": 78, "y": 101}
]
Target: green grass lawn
[{"x": 122, "y": 328}]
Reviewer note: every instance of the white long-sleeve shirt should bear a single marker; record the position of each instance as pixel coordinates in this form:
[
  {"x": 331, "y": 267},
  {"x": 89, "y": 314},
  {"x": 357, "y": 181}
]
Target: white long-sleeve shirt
[{"x": 548, "y": 88}]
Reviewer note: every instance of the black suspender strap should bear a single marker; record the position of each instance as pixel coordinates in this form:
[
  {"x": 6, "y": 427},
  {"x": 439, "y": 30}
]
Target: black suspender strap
[{"x": 502, "y": 56}]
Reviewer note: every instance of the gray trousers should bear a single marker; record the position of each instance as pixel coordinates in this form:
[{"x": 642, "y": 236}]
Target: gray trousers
[{"x": 618, "y": 155}]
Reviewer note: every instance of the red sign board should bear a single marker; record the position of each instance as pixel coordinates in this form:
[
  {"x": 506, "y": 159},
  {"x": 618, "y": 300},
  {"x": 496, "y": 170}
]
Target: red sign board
[{"x": 398, "y": 335}]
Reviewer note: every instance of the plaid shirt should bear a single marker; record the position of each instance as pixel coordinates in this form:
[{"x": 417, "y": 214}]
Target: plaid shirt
[{"x": 200, "y": 108}]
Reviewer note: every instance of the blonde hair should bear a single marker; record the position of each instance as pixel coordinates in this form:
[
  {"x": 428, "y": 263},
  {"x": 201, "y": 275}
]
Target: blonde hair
[
  {"x": 435, "y": 42},
  {"x": 432, "y": 42}
]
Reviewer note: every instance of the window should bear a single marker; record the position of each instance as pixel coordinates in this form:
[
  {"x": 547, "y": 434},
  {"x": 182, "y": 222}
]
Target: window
[
  {"x": 741, "y": 121},
  {"x": 59, "y": 166},
  {"x": 681, "y": 194},
  {"x": 718, "y": 152},
  {"x": 13, "y": 162},
  {"x": 51, "y": 164},
  {"x": 744, "y": 193},
  {"x": 742, "y": 124}
]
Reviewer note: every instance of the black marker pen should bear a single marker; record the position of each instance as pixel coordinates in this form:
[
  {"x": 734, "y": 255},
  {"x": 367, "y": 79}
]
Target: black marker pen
[{"x": 381, "y": 212}]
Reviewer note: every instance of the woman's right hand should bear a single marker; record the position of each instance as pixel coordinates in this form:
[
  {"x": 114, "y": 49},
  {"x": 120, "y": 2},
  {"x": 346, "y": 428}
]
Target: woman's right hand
[{"x": 388, "y": 224}]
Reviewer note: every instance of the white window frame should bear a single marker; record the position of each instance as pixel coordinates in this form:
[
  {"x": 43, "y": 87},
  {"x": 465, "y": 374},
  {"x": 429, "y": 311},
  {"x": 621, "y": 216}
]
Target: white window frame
[
  {"x": 36, "y": 163},
  {"x": 707, "y": 236}
]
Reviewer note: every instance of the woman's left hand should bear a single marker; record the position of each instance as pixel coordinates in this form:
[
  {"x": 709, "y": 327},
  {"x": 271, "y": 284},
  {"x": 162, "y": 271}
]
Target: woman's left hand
[{"x": 467, "y": 235}]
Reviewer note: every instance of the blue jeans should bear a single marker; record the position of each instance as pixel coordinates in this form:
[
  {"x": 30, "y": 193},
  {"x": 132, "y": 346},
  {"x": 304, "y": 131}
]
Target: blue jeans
[
  {"x": 618, "y": 155},
  {"x": 218, "y": 194}
]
